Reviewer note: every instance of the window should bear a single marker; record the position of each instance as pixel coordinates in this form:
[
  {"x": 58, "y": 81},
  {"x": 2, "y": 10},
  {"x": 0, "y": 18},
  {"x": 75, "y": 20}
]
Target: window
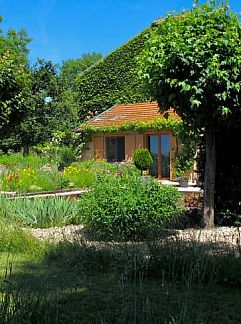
[{"x": 115, "y": 149}]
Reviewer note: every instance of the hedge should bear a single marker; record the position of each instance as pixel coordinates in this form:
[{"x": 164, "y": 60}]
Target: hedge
[{"x": 114, "y": 79}]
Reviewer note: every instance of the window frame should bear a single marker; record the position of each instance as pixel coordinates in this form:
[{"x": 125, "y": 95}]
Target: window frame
[{"x": 116, "y": 153}]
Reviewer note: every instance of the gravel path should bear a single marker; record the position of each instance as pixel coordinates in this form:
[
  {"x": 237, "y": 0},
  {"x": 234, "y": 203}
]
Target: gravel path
[
  {"x": 221, "y": 235},
  {"x": 56, "y": 234}
]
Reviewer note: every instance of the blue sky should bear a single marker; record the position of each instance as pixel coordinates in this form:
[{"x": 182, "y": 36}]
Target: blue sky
[{"x": 65, "y": 29}]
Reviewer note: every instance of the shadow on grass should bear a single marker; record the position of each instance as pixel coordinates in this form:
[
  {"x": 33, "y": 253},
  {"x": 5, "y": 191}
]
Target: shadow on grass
[{"x": 153, "y": 282}]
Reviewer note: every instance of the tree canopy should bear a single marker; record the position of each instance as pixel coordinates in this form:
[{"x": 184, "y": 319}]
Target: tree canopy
[
  {"x": 192, "y": 62},
  {"x": 34, "y": 98},
  {"x": 14, "y": 77}
]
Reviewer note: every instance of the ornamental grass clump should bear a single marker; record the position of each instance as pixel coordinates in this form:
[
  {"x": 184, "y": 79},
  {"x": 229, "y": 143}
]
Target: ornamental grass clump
[
  {"x": 39, "y": 212},
  {"x": 126, "y": 208}
]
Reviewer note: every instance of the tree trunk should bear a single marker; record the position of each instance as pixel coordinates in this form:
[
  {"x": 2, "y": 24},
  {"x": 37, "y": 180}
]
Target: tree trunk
[
  {"x": 209, "y": 179},
  {"x": 25, "y": 150}
]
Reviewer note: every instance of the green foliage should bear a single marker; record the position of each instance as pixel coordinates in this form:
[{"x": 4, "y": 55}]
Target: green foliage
[
  {"x": 125, "y": 207},
  {"x": 31, "y": 180},
  {"x": 86, "y": 174},
  {"x": 28, "y": 173},
  {"x": 67, "y": 155},
  {"x": 38, "y": 212},
  {"x": 72, "y": 68},
  {"x": 14, "y": 80},
  {"x": 39, "y": 116},
  {"x": 158, "y": 124},
  {"x": 17, "y": 160},
  {"x": 114, "y": 79},
  {"x": 78, "y": 175},
  {"x": 41, "y": 121},
  {"x": 192, "y": 62},
  {"x": 67, "y": 103},
  {"x": 40, "y": 173},
  {"x": 16, "y": 240},
  {"x": 62, "y": 143},
  {"x": 142, "y": 159},
  {"x": 184, "y": 160}
]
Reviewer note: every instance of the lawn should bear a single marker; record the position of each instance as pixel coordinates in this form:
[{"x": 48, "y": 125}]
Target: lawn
[{"x": 75, "y": 283}]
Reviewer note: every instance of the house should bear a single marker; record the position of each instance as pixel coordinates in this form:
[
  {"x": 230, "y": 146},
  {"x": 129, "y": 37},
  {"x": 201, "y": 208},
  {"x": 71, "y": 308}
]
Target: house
[{"x": 117, "y": 132}]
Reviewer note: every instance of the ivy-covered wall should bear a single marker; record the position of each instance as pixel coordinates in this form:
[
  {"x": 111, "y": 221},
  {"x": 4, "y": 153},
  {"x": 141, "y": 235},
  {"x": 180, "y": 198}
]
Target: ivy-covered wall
[{"x": 114, "y": 79}]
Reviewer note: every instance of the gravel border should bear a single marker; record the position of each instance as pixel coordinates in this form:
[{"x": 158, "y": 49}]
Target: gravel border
[{"x": 221, "y": 235}]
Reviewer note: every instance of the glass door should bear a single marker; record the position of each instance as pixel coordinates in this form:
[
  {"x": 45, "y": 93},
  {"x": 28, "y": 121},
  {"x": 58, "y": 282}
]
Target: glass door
[
  {"x": 160, "y": 148},
  {"x": 153, "y": 148}
]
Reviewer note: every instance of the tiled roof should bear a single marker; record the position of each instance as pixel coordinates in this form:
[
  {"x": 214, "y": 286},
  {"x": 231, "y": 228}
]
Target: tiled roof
[{"x": 126, "y": 113}]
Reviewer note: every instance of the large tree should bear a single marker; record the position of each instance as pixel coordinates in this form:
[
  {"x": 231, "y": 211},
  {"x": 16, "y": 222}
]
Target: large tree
[
  {"x": 42, "y": 119},
  {"x": 192, "y": 62},
  {"x": 14, "y": 79}
]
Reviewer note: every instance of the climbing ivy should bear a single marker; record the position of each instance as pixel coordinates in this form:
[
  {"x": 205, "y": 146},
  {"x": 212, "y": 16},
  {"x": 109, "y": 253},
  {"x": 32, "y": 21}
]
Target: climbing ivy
[
  {"x": 158, "y": 124},
  {"x": 114, "y": 79}
]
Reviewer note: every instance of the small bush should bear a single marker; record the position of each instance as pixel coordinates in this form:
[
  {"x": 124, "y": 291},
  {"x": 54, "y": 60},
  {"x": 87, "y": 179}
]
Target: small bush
[
  {"x": 67, "y": 155},
  {"x": 125, "y": 207},
  {"x": 142, "y": 159}
]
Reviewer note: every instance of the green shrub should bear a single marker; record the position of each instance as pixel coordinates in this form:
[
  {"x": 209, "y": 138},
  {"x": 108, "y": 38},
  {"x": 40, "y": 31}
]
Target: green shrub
[
  {"x": 67, "y": 155},
  {"x": 127, "y": 208},
  {"x": 142, "y": 159}
]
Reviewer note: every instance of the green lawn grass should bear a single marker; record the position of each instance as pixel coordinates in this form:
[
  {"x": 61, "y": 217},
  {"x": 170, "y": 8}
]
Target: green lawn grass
[{"x": 75, "y": 283}]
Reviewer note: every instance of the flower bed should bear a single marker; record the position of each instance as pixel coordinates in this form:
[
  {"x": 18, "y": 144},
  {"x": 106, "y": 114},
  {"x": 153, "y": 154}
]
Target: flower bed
[{"x": 36, "y": 174}]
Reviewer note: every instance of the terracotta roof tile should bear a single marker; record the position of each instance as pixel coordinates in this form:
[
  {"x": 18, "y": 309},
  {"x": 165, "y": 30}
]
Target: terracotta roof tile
[{"x": 126, "y": 113}]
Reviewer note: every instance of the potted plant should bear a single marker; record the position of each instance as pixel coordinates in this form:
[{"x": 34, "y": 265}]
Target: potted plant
[
  {"x": 142, "y": 159},
  {"x": 183, "y": 167},
  {"x": 183, "y": 180}
]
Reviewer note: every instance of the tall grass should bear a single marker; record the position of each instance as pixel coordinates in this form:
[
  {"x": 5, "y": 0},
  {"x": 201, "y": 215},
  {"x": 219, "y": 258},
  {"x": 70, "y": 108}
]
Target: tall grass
[
  {"x": 16, "y": 240},
  {"x": 127, "y": 283},
  {"x": 23, "y": 306},
  {"x": 39, "y": 212},
  {"x": 17, "y": 160}
]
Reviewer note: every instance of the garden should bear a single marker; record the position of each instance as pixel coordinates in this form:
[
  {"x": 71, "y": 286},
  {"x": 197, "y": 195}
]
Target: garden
[
  {"x": 121, "y": 252},
  {"x": 122, "y": 263}
]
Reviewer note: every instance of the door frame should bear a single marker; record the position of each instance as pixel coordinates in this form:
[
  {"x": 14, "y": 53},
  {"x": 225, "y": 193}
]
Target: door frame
[{"x": 159, "y": 167}]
